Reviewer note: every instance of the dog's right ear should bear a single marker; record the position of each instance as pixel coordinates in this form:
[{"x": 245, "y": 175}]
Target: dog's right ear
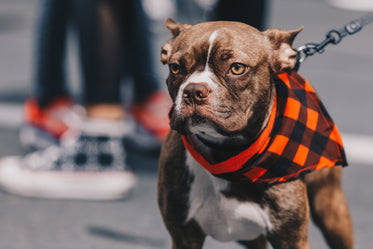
[
  {"x": 176, "y": 29},
  {"x": 283, "y": 55}
]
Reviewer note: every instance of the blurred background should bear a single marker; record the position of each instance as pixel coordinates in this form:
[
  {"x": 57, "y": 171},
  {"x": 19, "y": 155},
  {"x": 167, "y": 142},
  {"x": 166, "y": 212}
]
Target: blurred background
[{"x": 343, "y": 77}]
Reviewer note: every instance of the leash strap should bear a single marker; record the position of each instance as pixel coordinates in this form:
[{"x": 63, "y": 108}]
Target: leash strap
[{"x": 334, "y": 36}]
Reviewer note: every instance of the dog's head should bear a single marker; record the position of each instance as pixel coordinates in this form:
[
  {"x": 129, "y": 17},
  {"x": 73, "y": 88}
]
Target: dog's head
[{"x": 221, "y": 74}]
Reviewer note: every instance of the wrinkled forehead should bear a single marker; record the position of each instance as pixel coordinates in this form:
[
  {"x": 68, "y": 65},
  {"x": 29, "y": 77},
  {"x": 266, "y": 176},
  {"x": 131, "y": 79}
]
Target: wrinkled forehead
[{"x": 232, "y": 37}]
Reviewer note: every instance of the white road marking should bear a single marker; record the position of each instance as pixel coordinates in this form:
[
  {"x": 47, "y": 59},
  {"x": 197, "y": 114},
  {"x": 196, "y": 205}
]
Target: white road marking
[
  {"x": 11, "y": 115},
  {"x": 358, "y": 147}
]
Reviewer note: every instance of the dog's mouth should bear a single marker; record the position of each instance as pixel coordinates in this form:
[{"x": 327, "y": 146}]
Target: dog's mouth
[
  {"x": 185, "y": 124},
  {"x": 203, "y": 125}
]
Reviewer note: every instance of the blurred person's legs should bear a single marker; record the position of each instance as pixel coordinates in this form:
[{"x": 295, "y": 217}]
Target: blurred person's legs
[
  {"x": 50, "y": 46},
  {"x": 125, "y": 45},
  {"x": 44, "y": 112},
  {"x": 151, "y": 103},
  {"x": 90, "y": 160},
  {"x": 101, "y": 60}
]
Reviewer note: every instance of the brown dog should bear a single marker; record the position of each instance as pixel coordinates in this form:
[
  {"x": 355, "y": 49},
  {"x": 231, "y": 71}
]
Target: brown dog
[{"x": 243, "y": 139}]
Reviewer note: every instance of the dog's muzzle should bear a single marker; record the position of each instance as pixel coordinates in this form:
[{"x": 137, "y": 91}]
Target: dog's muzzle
[{"x": 196, "y": 93}]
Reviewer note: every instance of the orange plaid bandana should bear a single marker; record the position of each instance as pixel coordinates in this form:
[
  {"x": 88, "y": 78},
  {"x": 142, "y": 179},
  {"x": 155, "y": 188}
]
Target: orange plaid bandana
[{"x": 300, "y": 138}]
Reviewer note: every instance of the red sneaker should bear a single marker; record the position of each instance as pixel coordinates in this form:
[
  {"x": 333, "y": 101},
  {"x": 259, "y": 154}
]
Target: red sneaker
[
  {"x": 152, "y": 114},
  {"x": 45, "y": 126},
  {"x": 50, "y": 118}
]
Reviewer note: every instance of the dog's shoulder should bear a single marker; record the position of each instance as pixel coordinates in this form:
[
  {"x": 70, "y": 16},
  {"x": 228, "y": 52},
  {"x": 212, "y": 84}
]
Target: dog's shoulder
[{"x": 173, "y": 150}]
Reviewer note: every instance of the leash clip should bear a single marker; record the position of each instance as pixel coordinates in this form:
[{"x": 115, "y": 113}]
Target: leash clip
[
  {"x": 309, "y": 49},
  {"x": 333, "y": 36}
]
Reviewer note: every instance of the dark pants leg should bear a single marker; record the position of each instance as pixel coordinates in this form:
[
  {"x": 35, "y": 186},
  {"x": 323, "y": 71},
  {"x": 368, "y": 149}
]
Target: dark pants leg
[
  {"x": 49, "y": 72},
  {"x": 140, "y": 52},
  {"x": 251, "y": 12},
  {"x": 114, "y": 34},
  {"x": 101, "y": 51}
]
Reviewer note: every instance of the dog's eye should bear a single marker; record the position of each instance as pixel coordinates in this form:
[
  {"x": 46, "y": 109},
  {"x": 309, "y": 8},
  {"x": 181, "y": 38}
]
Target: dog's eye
[
  {"x": 174, "y": 68},
  {"x": 238, "y": 68}
]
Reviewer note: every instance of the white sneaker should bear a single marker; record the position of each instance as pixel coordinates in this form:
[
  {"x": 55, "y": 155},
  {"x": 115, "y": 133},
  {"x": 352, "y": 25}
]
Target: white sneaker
[{"x": 91, "y": 166}]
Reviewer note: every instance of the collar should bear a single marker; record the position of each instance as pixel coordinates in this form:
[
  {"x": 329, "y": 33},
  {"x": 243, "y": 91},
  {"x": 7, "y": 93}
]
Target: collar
[{"x": 300, "y": 137}]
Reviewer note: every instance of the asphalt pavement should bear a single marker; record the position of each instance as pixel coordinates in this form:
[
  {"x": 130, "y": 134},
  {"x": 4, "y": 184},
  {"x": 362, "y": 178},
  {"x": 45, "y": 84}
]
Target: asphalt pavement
[{"x": 342, "y": 76}]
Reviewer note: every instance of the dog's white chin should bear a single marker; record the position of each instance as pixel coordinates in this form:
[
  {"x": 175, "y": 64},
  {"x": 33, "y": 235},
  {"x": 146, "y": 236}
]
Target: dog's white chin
[{"x": 207, "y": 132}]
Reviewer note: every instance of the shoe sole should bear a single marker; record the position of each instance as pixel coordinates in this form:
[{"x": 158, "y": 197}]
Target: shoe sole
[{"x": 82, "y": 185}]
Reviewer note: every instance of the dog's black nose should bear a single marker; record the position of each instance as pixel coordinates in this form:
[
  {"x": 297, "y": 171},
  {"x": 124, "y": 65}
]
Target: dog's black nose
[{"x": 196, "y": 92}]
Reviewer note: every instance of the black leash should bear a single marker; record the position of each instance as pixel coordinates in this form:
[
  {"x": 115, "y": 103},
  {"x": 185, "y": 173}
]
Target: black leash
[{"x": 334, "y": 36}]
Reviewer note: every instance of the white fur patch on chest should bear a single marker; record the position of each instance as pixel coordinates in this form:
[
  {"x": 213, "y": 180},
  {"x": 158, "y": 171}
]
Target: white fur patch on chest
[{"x": 223, "y": 218}]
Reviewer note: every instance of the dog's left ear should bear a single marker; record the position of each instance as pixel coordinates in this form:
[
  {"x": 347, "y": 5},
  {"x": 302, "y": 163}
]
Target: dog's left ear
[
  {"x": 283, "y": 56},
  {"x": 176, "y": 29}
]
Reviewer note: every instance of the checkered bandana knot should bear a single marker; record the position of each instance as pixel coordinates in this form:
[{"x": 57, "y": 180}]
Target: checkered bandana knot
[{"x": 300, "y": 138}]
